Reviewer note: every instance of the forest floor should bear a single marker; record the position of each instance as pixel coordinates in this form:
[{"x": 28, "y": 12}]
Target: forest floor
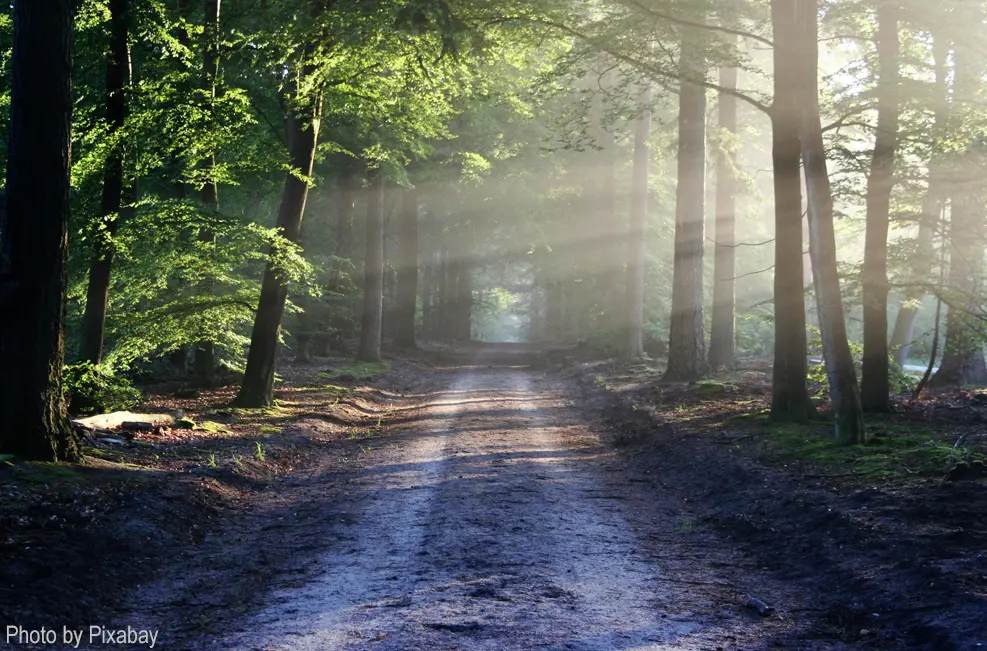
[{"x": 475, "y": 499}]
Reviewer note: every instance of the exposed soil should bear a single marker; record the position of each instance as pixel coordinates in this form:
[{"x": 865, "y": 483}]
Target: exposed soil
[
  {"x": 895, "y": 556},
  {"x": 462, "y": 500}
]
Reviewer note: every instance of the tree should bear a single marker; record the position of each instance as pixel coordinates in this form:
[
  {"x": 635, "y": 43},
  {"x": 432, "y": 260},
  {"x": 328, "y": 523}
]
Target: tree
[
  {"x": 789, "y": 392},
  {"x": 117, "y": 81},
  {"x": 963, "y": 356},
  {"x": 373, "y": 271},
  {"x": 302, "y": 125},
  {"x": 687, "y": 346},
  {"x": 407, "y": 262},
  {"x": 843, "y": 391},
  {"x": 932, "y": 206},
  {"x": 636, "y": 234},
  {"x": 34, "y": 235},
  {"x": 721, "y": 337},
  {"x": 205, "y": 351},
  {"x": 875, "y": 382}
]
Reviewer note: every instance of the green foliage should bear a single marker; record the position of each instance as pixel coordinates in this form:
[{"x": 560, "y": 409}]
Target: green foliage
[{"x": 96, "y": 389}]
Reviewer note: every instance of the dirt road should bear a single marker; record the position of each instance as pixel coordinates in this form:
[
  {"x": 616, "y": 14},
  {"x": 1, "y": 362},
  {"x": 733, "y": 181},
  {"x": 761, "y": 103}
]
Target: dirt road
[{"x": 497, "y": 520}]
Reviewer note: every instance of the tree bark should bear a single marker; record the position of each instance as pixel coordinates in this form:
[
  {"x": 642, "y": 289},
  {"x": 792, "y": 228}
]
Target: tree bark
[
  {"x": 302, "y": 127},
  {"x": 34, "y": 235},
  {"x": 687, "y": 345},
  {"x": 843, "y": 391},
  {"x": 932, "y": 207},
  {"x": 789, "y": 391},
  {"x": 963, "y": 356},
  {"x": 875, "y": 377},
  {"x": 117, "y": 80},
  {"x": 373, "y": 273},
  {"x": 345, "y": 205},
  {"x": 636, "y": 233},
  {"x": 407, "y": 283},
  {"x": 721, "y": 338},
  {"x": 442, "y": 305},
  {"x": 427, "y": 271},
  {"x": 204, "y": 363}
]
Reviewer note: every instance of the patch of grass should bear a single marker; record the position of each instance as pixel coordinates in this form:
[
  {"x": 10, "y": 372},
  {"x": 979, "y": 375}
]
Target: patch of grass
[
  {"x": 714, "y": 388},
  {"x": 43, "y": 472},
  {"x": 338, "y": 391},
  {"x": 361, "y": 370},
  {"x": 270, "y": 429},
  {"x": 213, "y": 427},
  {"x": 108, "y": 455},
  {"x": 893, "y": 451},
  {"x": 762, "y": 415}
]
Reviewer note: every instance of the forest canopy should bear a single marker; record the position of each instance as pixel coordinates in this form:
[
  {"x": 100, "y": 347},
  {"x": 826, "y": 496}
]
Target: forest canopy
[{"x": 202, "y": 190}]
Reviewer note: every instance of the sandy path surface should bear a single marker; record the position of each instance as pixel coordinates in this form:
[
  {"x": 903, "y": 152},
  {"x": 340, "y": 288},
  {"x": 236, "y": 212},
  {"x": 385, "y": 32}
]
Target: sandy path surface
[{"x": 496, "y": 520}]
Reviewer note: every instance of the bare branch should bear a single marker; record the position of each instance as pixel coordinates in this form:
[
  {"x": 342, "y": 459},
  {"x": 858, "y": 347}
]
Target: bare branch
[{"x": 697, "y": 25}]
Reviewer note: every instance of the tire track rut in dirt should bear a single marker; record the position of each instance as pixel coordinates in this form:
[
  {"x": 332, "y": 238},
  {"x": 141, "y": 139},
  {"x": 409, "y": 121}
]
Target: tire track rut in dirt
[
  {"x": 489, "y": 528},
  {"x": 497, "y": 519}
]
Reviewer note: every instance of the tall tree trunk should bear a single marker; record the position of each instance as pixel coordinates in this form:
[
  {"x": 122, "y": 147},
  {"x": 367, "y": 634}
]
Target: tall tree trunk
[
  {"x": 373, "y": 274},
  {"x": 117, "y": 80},
  {"x": 442, "y": 304},
  {"x": 721, "y": 337},
  {"x": 554, "y": 311},
  {"x": 932, "y": 207},
  {"x": 34, "y": 235},
  {"x": 345, "y": 206},
  {"x": 686, "y": 345},
  {"x": 205, "y": 352},
  {"x": 407, "y": 283},
  {"x": 637, "y": 231},
  {"x": 843, "y": 391},
  {"x": 427, "y": 270},
  {"x": 613, "y": 246},
  {"x": 963, "y": 356},
  {"x": 789, "y": 392},
  {"x": 302, "y": 127},
  {"x": 875, "y": 377}
]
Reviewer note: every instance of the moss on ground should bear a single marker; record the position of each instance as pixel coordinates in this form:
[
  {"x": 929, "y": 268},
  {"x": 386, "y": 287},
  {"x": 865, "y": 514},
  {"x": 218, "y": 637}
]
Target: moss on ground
[
  {"x": 893, "y": 451},
  {"x": 360, "y": 370}
]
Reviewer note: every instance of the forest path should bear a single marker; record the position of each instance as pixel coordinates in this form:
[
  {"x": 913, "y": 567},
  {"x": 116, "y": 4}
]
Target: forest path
[{"x": 499, "y": 520}]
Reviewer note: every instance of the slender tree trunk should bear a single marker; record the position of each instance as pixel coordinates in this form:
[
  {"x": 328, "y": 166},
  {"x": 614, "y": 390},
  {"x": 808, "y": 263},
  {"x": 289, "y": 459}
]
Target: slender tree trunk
[
  {"x": 302, "y": 127},
  {"x": 407, "y": 284},
  {"x": 687, "y": 346},
  {"x": 613, "y": 246},
  {"x": 932, "y": 207},
  {"x": 442, "y": 314},
  {"x": 428, "y": 272},
  {"x": 205, "y": 352},
  {"x": 721, "y": 338},
  {"x": 963, "y": 355},
  {"x": 637, "y": 231},
  {"x": 98, "y": 291},
  {"x": 464, "y": 329},
  {"x": 345, "y": 206},
  {"x": 875, "y": 378},
  {"x": 34, "y": 235},
  {"x": 554, "y": 311},
  {"x": 789, "y": 392},
  {"x": 843, "y": 390},
  {"x": 373, "y": 274}
]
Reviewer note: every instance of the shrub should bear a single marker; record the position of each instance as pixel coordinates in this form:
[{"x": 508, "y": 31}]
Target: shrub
[{"x": 93, "y": 389}]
